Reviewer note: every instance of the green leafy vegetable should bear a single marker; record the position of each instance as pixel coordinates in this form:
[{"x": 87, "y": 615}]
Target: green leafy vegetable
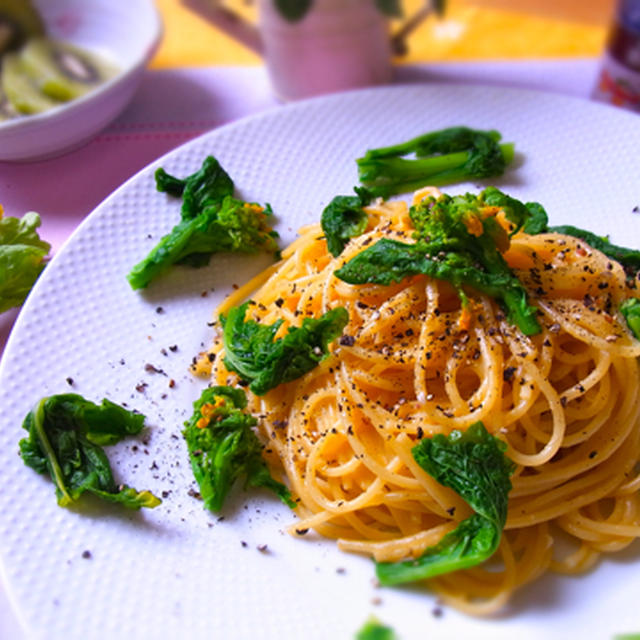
[
  {"x": 22, "y": 258},
  {"x": 456, "y": 242},
  {"x": 252, "y": 352},
  {"x": 530, "y": 217},
  {"x": 66, "y": 435},
  {"x": 213, "y": 221},
  {"x": 442, "y": 157},
  {"x": 232, "y": 225},
  {"x": 375, "y": 630},
  {"x": 223, "y": 446},
  {"x": 630, "y": 309},
  {"x": 473, "y": 464},
  {"x": 209, "y": 185},
  {"x": 344, "y": 218}
]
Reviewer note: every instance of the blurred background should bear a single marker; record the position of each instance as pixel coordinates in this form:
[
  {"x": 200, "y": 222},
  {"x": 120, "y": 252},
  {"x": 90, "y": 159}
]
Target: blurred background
[{"x": 470, "y": 30}]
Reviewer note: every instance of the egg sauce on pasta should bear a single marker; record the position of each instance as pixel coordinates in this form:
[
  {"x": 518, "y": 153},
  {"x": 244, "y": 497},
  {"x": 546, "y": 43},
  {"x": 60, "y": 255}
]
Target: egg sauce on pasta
[{"x": 413, "y": 363}]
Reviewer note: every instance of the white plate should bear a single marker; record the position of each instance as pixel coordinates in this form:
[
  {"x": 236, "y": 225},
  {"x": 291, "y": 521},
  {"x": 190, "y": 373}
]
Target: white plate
[
  {"x": 124, "y": 33},
  {"x": 178, "y": 571}
]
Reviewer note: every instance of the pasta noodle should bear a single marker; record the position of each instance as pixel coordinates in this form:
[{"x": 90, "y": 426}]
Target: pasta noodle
[{"x": 411, "y": 364}]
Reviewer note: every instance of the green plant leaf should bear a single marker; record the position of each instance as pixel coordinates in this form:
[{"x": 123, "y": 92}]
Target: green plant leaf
[
  {"x": 22, "y": 258},
  {"x": 252, "y": 352},
  {"x": 473, "y": 464},
  {"x": 65, "y": 437},
  {"x": 223, "y": 447}
]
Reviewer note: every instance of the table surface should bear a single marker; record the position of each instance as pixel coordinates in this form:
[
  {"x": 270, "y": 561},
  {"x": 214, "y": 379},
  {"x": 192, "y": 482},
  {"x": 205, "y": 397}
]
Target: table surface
[{"x": 549, "y": 45}]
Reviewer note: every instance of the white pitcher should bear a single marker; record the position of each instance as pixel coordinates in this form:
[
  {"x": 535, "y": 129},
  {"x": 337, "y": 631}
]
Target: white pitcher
[{"x": 336, "y": 45}]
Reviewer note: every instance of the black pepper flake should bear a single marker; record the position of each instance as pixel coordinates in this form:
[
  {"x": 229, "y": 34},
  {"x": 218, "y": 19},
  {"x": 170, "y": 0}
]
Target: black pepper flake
[
  {"x": 347, "y": 341},
  {"x": 593, "y": 454},
  {"x": 437, "y": 612},
  {"x": 451, "y": 511},
  {"x": 508, "y": 373},
  {"x": 86, "y": 554},
  {"x": 244, "y": 543},
  {"x": 70, "y": 382},
  {"x": 150, "y": 368},
  {"x": 420, "y": 433},
  {"x": 563, "y": 401},
  {"x": 159, "y": 309},
  {"x": 302, "y": 532},
  {"x": 173, "y": 348}
]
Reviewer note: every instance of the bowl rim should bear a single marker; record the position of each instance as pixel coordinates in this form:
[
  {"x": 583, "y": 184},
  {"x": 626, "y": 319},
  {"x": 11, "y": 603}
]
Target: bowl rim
[{"x": 14, "y": 125}]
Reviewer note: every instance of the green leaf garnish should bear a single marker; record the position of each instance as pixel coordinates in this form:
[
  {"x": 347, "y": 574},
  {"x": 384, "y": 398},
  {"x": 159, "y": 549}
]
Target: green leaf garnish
[
  {"x": 442, "y": 157},
  {"x": 446, "y": 249},
  {"x": 213, "y": 221},
  {"x": 223, "y": 447},
  {"x": 630, "y": 309},
  {"x": 252, "y": 352},
  {"x": 344, "y": 218},
  {"x": 473, "y": 464},
  {"x": 66, "y": 434}
]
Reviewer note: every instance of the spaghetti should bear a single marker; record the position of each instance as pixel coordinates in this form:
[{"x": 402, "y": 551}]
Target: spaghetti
[{"x": 413, "y": 362}]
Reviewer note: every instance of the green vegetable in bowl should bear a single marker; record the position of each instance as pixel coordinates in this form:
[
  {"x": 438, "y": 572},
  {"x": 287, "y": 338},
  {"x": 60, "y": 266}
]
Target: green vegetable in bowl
[
  {"x": 66, "y": 436},
  {"x": 473, "y": 464},
  {"x": 22, "y": 258},
  {"x": 446, "y": 156},
  {"x": 223, "y": 447}
]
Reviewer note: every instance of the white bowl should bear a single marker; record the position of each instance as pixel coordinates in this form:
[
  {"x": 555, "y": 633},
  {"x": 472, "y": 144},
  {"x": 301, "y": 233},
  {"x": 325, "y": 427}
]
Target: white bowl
[{"x": 126, "y": 33}]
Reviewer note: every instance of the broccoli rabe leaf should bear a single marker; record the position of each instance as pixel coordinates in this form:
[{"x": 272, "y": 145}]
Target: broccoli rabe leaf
[
  {"x": 209, "y": 185},
  {"x": 455, "y": 242},
  {"x": 213, "y": 221},
  {"x": 442, "y": 157},
  {"x": 22, "y": 258},
  {"x": 530, "y": 217},
  {"x": 373, "y": 629},
  {"x": 473, "y": 464},
  {"x": 230, "y": 226},
  {"x": 66, "y": 434},
  {"x": 252, "y": 352},
  {"x": 223, "y": 447},
  {"x": 630, "y": 309},
  {"x": 344, "y": 218}
]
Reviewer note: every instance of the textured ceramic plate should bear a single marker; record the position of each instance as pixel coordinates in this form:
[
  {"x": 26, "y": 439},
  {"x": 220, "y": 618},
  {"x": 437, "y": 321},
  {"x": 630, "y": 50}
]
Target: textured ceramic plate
[{"x": 178, "y": 571}]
